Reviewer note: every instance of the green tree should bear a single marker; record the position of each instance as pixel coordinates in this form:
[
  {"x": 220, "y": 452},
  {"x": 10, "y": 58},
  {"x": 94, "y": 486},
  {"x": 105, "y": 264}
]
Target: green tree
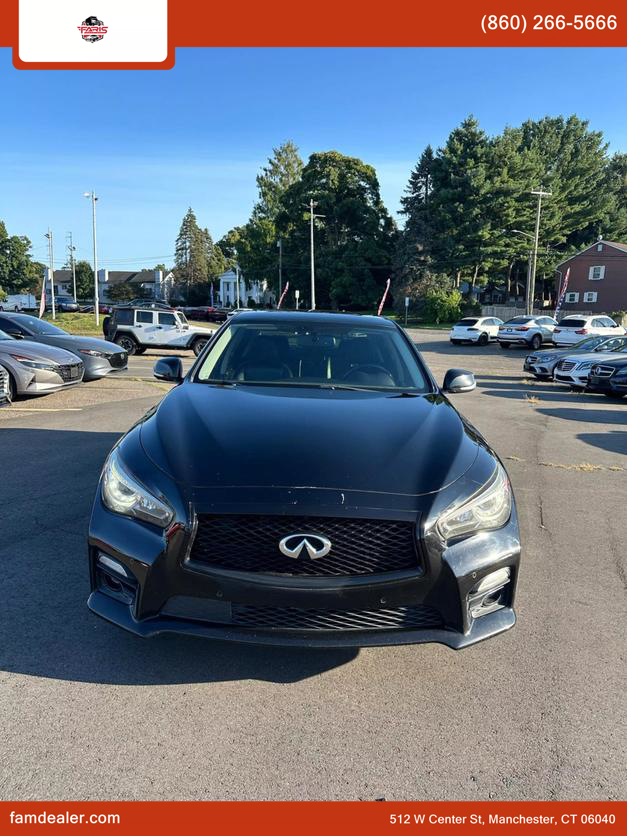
[
  {"x": 283, "y": 170},
  {"x": 84, "y": 280},
  {"x": 442, "y": 305},
  {"x": 122, "y": 292},
  {"x": 616, "y": 182},
  {"x": 353, "y": 241},
  {"x": 18, "y": 273}
]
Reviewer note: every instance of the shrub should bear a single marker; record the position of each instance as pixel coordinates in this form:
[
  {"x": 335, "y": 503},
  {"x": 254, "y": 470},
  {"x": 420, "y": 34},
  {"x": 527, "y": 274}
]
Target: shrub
[
  {"x": 442, "y": 305},
  {"x": 619, "y": 316}
]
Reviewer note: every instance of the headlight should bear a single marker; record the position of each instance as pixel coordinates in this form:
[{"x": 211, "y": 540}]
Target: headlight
[
  {"x": 93, "y": 353},
  {"x": 32, "y": 364},
  {"x": 125, "y": 495},
  {"x": 584, "y": 365},
  {"x": 489, "y": 508}
]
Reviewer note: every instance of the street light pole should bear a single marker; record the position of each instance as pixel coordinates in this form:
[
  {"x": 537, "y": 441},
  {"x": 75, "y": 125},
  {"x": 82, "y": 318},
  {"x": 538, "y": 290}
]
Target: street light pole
[
  {"x": 279, "y": 244},
  {"x": 531, "y": 293},
  {"x": 51, "y": 271},
  {"x": 93, "y": 198},
  {"x": 312, "y": 217},
  {"x": 71, "y": 249}
]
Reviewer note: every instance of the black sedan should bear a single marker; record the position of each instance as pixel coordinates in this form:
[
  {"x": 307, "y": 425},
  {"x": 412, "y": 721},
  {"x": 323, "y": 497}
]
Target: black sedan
[
  {"x": 99, "y": 357},
  {"x": 609, "y": 377},
  {"x": 307, "y": 482}
]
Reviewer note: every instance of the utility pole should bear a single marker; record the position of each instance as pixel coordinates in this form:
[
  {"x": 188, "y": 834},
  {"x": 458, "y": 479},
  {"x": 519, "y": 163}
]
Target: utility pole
[
  {"x": 93, "y": 198},
  {"x": 279, "y": 244},
  {"x": 312, "y": 218},
  {"x": 534, "y": 260},
  {"x": 71, "y": 248},
  {"x": 51, "y": 271}
]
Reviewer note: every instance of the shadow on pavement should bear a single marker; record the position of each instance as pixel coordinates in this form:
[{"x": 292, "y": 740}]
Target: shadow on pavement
[
  {"x": 588, "y": 416},
  {"x": 45, "y": 627},
  {"x": 614, "y": 441}
]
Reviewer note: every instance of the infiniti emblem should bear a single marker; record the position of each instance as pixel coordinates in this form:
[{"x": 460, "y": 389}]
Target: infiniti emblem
[{"x": 316, "y": 546}]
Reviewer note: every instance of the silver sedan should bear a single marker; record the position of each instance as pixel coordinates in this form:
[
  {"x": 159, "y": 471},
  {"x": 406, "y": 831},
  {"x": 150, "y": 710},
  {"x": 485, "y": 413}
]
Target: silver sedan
[{"x": 36, "y": 369}]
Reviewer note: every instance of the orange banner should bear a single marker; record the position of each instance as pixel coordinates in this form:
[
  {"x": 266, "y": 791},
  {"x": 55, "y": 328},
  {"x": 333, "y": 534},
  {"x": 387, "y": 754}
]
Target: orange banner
[
  {"x": 195, "y": 23},
  {"x": 311, "y": 817}
]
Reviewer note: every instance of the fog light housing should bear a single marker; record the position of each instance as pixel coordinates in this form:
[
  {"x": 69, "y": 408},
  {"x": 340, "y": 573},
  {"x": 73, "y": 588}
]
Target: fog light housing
[
  {"x": 114, "y": 579},
  {"x": 489, "y": 593}
]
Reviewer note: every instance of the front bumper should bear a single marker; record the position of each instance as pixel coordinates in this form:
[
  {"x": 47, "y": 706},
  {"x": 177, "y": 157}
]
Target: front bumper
[
  {"x": 539, "y": 368},
  {"x": 612, "y": 385},
  {"x": 574, "y": 377},
  {"x": 97, "y": 367},
  {"x": 166, "y": 592}
]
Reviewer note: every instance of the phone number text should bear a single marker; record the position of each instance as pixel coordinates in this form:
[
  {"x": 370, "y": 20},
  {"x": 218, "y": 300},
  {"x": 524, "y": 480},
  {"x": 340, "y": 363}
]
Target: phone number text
[{"x": 518, "y": 23}]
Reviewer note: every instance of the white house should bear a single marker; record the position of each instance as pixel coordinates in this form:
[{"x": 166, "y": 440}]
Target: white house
[
  {"x": 257, "y": 291},
  {"x": 149, "y": 283}
]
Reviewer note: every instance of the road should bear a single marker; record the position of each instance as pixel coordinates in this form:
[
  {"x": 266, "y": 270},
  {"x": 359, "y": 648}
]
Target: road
[{"x": 89, "y": 712}]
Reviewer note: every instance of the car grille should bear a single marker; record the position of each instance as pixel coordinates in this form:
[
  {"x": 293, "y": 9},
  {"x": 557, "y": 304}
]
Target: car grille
[
  {"x": 566, "y": 365},
  {"x": 118, "y": 360},
  {"x": 69, "y": 372},
  {"x": 250, "y": 543},
  {"x": 4, "y": 385},
  {"x": 293, "y": 618},
  {"x": 532, "y": 358},
  {"x": 603, "y": 371}
]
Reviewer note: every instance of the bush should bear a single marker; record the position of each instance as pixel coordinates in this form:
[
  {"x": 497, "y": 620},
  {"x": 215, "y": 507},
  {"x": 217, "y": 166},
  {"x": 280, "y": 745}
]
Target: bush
[
  {"x": 442, "y": 305},
  {"x": 3, "y": 295},
  {"x": 619, "y": 316}
]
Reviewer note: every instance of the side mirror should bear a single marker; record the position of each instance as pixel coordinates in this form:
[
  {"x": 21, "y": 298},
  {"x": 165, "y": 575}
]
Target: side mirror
[
  {"x": 169, "y": 369},
  {"x": 458, "y": 380},
  {"x": 16, "y": 335}
]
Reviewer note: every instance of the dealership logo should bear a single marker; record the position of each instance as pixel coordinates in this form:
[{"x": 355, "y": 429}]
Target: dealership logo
[
  {"x": 315, "y": 545},
  {"x": 92, "y": 29}
]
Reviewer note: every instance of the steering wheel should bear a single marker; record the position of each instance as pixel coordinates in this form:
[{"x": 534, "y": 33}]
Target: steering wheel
[{"x": 368, "y": 368}]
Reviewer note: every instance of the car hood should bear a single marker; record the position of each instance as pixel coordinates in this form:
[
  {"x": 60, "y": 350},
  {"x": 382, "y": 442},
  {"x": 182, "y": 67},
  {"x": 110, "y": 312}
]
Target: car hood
[
  {"x": 37, "y": 351},
  {"x": 211, "y": 436},
  {"x": 594, "y": 356},
  {"x": 74, "y": 343}
]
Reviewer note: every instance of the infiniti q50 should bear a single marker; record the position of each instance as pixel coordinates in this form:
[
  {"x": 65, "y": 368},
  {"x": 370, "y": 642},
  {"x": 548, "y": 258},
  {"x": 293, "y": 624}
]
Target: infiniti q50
[{"x": 306, "y": 482}]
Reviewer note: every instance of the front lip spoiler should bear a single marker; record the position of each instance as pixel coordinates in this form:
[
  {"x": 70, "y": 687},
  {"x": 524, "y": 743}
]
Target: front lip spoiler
[{"x": 119, "y": 613}]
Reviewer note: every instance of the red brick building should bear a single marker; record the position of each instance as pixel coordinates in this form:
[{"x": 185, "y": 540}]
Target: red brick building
[{"x": 598, "y": 279}]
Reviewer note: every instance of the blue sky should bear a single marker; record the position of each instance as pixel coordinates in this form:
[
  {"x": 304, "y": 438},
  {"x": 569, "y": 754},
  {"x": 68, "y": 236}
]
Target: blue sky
[{"x": 153, "y": 143}]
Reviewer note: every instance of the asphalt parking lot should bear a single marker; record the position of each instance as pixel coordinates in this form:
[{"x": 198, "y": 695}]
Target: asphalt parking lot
[{"x": 90, "y": 712}]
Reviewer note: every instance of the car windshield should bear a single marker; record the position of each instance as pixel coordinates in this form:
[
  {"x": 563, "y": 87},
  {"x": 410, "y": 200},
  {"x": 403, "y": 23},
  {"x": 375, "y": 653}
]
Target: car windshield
[
  {"x": 467, "y": 322},
  {"x": 182, "y": 318},
  {"x": 39, "y": 326},
  {"x": 589, "y": 343},
  {"x": 519, "y": 320},
  {"x": 313, "y": 354},
  {"x": 613, "y": 344}
]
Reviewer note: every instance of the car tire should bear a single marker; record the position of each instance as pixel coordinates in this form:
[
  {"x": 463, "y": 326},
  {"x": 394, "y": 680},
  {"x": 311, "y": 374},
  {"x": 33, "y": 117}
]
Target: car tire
[
  {"x": 616, "y": 396},
  {"x": 504, "y": 345},
  {"x": 140, "y": 349},
  {"x": 127, "y": 343},
  {"x": 484, "y": 339},
  {"x": 535, "y": 342},
  {"x": 199, "y": 344},
  {"x": 12, "y": 388}
]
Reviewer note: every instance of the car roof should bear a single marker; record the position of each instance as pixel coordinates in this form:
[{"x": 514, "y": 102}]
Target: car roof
[{"x": 329, "y": 317}]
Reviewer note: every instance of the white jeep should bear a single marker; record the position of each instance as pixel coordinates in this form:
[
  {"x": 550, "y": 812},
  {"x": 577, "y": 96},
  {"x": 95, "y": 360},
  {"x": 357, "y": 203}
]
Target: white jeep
[{"x": 137, "y": 328}]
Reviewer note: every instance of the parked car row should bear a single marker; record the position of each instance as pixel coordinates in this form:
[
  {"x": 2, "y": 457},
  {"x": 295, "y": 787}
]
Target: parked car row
[
  {"x": 533, "y": 331},
  {"x": 206, "y": 313},
  {"x": 596, "y": 364},
  {"x": 40, "y": 357}
]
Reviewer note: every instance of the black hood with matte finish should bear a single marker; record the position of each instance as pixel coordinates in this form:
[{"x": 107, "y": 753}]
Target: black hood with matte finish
[{"x": 206, "y": 435}]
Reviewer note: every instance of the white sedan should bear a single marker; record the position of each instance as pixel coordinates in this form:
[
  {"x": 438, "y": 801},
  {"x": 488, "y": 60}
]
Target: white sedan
[
  {"x": 473, "y": 329},
  {"x": 573, "y": 328}
]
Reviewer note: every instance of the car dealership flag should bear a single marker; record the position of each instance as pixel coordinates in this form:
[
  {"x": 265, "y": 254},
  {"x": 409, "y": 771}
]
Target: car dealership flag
[
  {"x": 387, "y": 288},
  {"x": 283, "y": 296},
  {"x": 562, "y": 292}
]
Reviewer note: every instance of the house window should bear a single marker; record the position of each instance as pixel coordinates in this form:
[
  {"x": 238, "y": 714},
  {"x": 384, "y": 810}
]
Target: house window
[
  {"x": 589, "y": 297},
  {"x": 596, "y": 273},
  {"x": 599, "y": 248},
  {"x": 572, "y": 297}
]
